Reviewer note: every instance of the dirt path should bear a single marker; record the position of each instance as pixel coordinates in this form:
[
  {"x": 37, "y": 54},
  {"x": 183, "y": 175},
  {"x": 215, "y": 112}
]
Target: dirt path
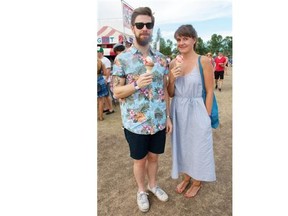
[{"x": 117, "y": 187}]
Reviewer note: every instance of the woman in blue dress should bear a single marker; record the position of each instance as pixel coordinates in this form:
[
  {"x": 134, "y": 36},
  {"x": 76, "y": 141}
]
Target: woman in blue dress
[{"x": 192, "y": 141}]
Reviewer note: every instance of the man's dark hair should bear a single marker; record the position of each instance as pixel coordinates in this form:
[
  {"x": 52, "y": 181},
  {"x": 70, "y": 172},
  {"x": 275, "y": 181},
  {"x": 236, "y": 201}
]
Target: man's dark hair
[
  {"x": 118, "y": 47},
  {"x": 142, "y": 11}
]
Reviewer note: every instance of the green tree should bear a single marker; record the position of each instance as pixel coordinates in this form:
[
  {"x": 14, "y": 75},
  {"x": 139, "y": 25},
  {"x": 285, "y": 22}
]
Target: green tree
[
  {"x": 166, "y": 46},
  {"x": 201, "y": 47},
  {"x": 215, "y": 43},
  {"x": 227, "y": 46}
]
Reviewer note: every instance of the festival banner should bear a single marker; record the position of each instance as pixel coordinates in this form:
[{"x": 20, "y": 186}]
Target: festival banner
[{"x": 127, "y": 13}]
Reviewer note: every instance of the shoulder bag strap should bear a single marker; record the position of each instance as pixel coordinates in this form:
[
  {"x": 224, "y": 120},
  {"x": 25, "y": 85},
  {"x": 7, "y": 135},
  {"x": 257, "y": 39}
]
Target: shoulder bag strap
[{"x": 202, "y": 75}]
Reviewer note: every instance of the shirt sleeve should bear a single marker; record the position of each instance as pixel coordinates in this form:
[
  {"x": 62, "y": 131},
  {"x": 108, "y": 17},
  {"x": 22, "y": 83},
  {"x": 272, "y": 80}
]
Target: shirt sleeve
[
  {"x": 107, "y": 63},
  {"x": 117, "y": 68}
]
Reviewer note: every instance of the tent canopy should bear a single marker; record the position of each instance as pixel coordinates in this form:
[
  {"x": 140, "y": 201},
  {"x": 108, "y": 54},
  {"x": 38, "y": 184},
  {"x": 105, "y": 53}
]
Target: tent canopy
[{"x": 109, "y": 35}]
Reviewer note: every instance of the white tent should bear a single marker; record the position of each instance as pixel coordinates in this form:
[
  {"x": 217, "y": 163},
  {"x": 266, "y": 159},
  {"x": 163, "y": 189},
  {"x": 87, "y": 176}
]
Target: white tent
[{"x": 110, "y": 36}]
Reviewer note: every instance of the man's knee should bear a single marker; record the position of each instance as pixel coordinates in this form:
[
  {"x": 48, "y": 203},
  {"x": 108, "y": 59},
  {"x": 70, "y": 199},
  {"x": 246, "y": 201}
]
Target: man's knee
[
  {"x": 140, "y": 162},
  {"x": 151, "y": 157}
]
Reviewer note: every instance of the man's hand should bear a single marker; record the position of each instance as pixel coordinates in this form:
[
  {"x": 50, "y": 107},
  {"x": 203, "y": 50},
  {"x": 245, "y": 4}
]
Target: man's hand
[{"x": 145, "y": 79}]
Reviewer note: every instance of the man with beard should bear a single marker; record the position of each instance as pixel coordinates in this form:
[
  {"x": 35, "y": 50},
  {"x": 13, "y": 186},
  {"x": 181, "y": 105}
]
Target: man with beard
[{"x": 144, "y": 104}]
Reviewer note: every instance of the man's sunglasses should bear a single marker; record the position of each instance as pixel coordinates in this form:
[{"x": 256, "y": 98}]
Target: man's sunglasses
[{"x": 140, "y": 25}]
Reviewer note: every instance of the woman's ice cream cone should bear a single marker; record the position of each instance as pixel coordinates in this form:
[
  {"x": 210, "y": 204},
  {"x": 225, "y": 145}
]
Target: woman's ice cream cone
[
  {"x": 178, "y": 63},
  {"x": 179, "y": 60}
]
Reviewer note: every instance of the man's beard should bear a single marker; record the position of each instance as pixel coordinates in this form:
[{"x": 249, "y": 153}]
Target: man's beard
[{"x": 143, "y": 42}]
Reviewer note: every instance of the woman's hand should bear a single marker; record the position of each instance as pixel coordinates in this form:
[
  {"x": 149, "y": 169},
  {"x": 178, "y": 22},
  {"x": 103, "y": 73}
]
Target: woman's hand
[{"x": 176, "y": 71}]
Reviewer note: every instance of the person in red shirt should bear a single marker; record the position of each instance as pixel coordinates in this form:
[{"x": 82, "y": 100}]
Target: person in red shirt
[{"x": 220, "y": 62}]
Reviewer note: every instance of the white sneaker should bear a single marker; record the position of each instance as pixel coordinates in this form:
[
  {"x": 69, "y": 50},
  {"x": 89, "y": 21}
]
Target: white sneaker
[
  {"x": 142, "y": 201},
  {"x": 159, "y": 193}
]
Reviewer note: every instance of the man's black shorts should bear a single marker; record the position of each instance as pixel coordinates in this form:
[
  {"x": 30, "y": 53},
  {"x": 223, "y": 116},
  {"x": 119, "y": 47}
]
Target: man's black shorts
[
  {"x": 218, "y": 74},
  {"x": 140, "y": 144}
]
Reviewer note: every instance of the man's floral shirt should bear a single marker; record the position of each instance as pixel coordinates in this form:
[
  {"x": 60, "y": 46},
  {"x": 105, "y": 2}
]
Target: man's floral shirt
[{"x": 143, "y": 112}]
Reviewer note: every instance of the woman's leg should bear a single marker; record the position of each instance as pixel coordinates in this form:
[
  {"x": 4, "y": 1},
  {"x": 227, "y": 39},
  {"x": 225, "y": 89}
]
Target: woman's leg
[
  {"x": 183, "y": 185},
  {"x": 193, "y": 190},
  {"x": 100, "y": 108}
]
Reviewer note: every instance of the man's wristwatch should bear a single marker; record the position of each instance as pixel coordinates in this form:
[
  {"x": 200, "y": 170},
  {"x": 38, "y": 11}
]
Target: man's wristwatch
[{"x": 136, "y": 87}]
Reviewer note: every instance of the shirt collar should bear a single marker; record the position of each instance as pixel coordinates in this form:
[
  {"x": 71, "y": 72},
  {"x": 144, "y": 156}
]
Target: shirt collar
[{"x": 134, "y": 50}]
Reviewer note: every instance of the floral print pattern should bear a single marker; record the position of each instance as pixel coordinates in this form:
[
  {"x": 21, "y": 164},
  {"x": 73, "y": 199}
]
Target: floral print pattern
[{"x": 143, "y": 112}]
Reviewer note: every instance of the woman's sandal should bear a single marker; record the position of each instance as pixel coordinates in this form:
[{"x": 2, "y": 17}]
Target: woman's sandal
[
  {"x": 190, "y": 193},
  {"x": 182, "y": 186}
]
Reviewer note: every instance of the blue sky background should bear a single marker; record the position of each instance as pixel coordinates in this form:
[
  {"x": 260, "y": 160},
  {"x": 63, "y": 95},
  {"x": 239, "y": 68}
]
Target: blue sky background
[
  {"x": 205, "y": 29},
  {"x": 207, "y": 16}
]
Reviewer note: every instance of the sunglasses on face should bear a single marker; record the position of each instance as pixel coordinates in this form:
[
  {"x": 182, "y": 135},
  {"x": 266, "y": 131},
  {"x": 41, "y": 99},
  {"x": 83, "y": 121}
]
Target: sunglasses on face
[{"x": 140, "y": 25}]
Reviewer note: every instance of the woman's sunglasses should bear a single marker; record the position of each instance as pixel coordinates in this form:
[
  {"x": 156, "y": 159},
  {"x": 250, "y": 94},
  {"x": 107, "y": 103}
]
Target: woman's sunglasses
[{"x": 140, "y": 25}]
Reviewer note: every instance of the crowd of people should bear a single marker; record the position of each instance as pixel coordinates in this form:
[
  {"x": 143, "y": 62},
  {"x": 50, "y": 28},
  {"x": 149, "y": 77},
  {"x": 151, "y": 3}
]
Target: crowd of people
[
  {"x": 105, "y": 98},
  {"x": 165, "y": 99},
  {"x": 104, "y": 92}
]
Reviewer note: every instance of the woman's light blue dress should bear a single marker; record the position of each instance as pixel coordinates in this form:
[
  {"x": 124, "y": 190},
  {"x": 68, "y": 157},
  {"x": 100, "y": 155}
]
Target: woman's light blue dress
[{"x": 192, "y": 139}]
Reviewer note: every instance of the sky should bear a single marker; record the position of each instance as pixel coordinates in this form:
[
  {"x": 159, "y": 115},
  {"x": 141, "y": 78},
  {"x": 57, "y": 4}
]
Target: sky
[{"x": 207, "y": 16}]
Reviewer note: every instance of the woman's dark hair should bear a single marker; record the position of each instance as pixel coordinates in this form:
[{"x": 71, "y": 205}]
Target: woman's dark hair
[
  {"x": 186, "y": 31},
  {"x": 142, "y": 11}
]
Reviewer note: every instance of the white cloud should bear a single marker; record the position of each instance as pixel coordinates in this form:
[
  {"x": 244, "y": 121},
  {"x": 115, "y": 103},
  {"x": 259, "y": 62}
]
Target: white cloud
[
  {"x": 170, "y": 12},
  {"x": 191, "y": 11},
  {"x": 167, "y": 34}
]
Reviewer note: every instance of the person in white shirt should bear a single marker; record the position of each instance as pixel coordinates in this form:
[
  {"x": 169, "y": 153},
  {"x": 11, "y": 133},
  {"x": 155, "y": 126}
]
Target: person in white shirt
[{"x": 107, "y": 63}]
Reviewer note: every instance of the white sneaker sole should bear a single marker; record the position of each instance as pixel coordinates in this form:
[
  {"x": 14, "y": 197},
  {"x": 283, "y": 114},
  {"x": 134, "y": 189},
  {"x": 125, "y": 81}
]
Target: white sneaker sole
[
  {"x": 158, "y": 197},
  {"x": 143, "y": 210}
]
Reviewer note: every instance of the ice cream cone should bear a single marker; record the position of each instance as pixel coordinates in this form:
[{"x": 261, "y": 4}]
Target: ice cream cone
[
  {"x": 148, "y": 68},
  {"x": 178, "y": 64},
  {"x": 149, "y": 64},
  {"x": 179, "y": 60}
]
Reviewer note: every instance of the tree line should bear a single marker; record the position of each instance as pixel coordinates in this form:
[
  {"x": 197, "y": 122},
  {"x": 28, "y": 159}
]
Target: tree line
[{"x": 213, "y": 45}]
